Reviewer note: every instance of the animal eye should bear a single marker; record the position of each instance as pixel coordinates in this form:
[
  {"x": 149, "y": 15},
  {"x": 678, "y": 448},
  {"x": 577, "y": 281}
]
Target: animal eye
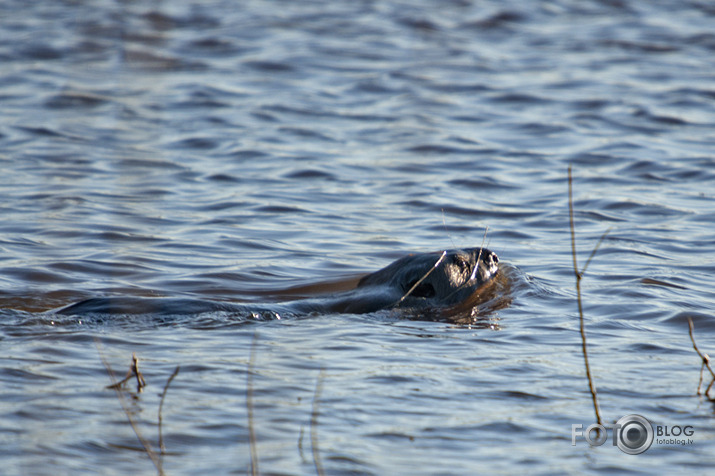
[{"x": 462, "y": 263}]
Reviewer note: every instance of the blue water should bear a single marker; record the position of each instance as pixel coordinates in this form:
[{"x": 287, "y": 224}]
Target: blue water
[{"x": 230, "y": 151}]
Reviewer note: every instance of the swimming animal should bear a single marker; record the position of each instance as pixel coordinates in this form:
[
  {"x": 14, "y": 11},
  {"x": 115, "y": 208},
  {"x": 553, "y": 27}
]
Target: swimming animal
[{"x": 440, "y": 283}]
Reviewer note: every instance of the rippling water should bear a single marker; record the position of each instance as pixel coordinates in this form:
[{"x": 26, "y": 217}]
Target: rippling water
[{"x": 228, "y": 151}]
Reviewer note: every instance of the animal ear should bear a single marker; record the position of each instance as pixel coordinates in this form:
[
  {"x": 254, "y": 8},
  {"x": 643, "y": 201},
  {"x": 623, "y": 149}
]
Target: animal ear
[{"x": 424, "y": 290}]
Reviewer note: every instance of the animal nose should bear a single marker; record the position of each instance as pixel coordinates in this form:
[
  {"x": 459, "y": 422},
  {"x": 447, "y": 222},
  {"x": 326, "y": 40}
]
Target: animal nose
[{"x": 492, "y": 259}]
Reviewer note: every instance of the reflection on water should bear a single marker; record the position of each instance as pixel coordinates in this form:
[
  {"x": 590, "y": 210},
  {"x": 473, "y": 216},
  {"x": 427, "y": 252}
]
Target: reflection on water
[{"x": 259, "y": 152}]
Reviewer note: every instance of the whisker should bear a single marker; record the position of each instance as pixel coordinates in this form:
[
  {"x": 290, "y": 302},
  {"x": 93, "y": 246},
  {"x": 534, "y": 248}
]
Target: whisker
[
  {"x": 473, "y": 276},
  {"x": 444, "y": 223},
  {"x": 479, "y": 257}
]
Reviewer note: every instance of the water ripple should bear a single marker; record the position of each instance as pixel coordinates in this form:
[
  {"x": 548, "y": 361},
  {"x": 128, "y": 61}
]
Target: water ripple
[{"x": 205, "y": 152}]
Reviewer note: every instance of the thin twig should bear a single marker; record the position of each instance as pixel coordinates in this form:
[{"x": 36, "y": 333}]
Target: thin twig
[
  {"x": 704, "y": 357},
  {"x": 314, "y": 424},
  {"x": 593, "y": 253},
  {"x": 121, "y": 382},
  {"x": 144, "y": 442},
  {"x": 700, "y": 381},
  {"x": 582, "y": 326},
  {"x": 141, "y": 383},
  {"x": 707, "y": 391},
  {"x": 249, "y": 407},
  {"x": 161, "y": 407},
  {"x": 132, "y": 372},
  {"x": 300, "y": 443},
  {"x": 414, "y": 286}
]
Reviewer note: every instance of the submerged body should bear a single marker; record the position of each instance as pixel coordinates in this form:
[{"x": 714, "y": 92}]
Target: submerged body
[{"x": 436, "y": 281}]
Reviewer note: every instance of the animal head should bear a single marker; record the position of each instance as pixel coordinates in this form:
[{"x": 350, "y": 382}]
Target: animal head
[{"x": 437, "y": 279}]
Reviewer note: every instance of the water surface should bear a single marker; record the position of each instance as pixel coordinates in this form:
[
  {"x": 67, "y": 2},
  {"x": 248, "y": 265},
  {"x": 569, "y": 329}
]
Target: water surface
[{"x": 229, "y": 151}]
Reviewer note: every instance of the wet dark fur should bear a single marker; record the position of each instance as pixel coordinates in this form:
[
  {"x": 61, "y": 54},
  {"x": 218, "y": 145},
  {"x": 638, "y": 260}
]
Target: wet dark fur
[{"x": 448, "y": 282}]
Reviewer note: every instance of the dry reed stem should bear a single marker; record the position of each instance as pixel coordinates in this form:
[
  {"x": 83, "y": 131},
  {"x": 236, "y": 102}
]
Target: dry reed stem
[
  {"x": 116, "y": 387},
  {"x": 705, "y": 359},
  {"x": 314, "y": 424},
  {"x": 579, "y": 275},
  {"x": 161, "y": 407},
  {"x": 414, "y": 286},
  {"x": 132, "y": 372},
  {"x": 300, "y": 444},
  {"x": 479, "y": 256},
  {"x": 700, "y": 380},
  {"x": 249, "y": 407}
]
